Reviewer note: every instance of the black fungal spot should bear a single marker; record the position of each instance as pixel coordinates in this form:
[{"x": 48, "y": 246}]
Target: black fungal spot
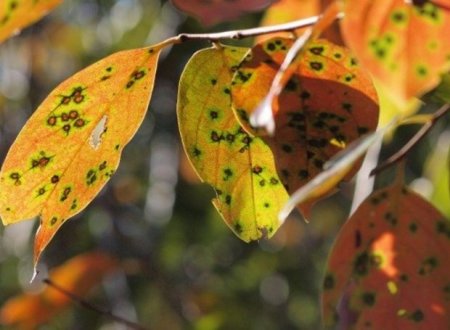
[
  {"x": 417, "y": 316},
  {"x": 244, "y": 77},
  {"x": 65, "y": 100},
  {"x": 65, "y": 194},
  {"x": 53, "y": 220},
  {"x": 291, "y": 85},
  {"x": 274, "y": 181},
  {"x": 318, "y": 163},
  {"x": 230, "y": 137},
  {"x": 398, "y": 16},
  {"x": 271, "y": 47},
  {"x": 347, "y": 106},
  {"x": 196, "y": 152},
  {"x": 305, "y": 95},
  {"x": 41, "y": 162},
  {"x": 79, "y": 123},
  {"x": 362, "y": 130},
  {"x": 237, "y": 227},
  {"x": 428, "y": 265},
  {"x": 246, "y": 140},
  {"x": 102, "y": 166},
  {"x": 357, "y": 239},
  {"x": 310, "y": 154},
  {"x": 412, "y": 227},
  {"x": 317, "y": 50},
  {"x": 14, "y": 176},
  {"x": 303, "y": 174},
  {"x": 368, "y": 298},
  {"x": 337, "y": 55},
  {"x": 443, "y": 227},
  {"x": 213, "y": 81},
  {"x": 316, "y": 66},
  {"x": 117, "y": 146},
  {"x": 328, "y": 282},
  {"x": 106, "y": 77},
  {"x": 54, "y": 179},
  {"x": 66, "y": 128},
  {"x": 390, "y": 218},
  {"x": 227, "y": 91},
  {"x": 262, "y": 183},
  {"x": 91, "y": 177},
  {"x": 138, "y": 74},
  {"x": 109, "y": 69},
  {"x": 257, "y": 169},
  {"x": 78, "y": 98},
  {"x": 421, "y": 70},
  {"x": 51, "y": 121},
  {"x": 228, "y": 199},
  {"x": 286, "y": 148},
  {"x": 404, "y": 278},
  {"x": 266, "y": 205},
  {"x": 73, "y": 114},
  {"x": 227, "y": 173},
  {"x": 64, "y": 116},
  {"x": 361, "y": 264},
  {"x": 215, "y": 137},
  {"x": 129, "y": 84},
  {"x": 213, "y": 114},
  {"x": 381, "y": 53},
  {"x": 74, "y": 204},
  {"x": 41, "y": 191}
]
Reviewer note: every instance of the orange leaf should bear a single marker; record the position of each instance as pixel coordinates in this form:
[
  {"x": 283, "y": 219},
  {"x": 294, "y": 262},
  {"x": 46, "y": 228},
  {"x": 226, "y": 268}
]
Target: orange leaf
[
  {"x": 405, "y": 47},
  {"x": 217, "y": 11},
  {"x": 388, "y": 267},
  {"x": 71, "y": 146},
  {"x": 15, "y": 15},
  {"x": 78, "y": 275},
  {"x": 327, "y": 102}
]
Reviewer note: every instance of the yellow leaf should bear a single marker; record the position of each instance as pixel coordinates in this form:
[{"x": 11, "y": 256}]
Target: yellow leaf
[
  {"x": 15, "y": 15},
  {"x": 71, "y": 146}
]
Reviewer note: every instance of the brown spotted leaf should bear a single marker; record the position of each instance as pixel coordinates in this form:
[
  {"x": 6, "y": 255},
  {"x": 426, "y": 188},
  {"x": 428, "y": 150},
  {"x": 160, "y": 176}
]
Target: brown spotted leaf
[
  {"x": 240, "y": 168},
  {"x": 78, "y": 275},
  {"x": 71, "y": 145},
  {"x": 388, "y": 268},
  {"x": 217, "y": 11},
  {"x": 17, "y": 14},
  {"x": 404, "y": 46},
  {"x": 327, "y": 102}
]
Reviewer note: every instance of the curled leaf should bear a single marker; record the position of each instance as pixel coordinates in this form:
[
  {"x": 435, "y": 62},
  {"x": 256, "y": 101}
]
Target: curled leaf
[
  {"x": 239, "y": 167},
  {"x": 71, "y": 145}
]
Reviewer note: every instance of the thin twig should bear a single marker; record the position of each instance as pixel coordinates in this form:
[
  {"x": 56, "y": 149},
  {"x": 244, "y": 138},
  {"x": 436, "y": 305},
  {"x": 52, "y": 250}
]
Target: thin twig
[
  {"x": 414, "y": 140},
  {"x": 246, "y": 33},
  {"x": 90, "y": 306}
]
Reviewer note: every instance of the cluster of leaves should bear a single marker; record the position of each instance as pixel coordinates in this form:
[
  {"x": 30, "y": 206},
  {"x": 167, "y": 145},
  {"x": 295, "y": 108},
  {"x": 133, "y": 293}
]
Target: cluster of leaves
[{"x": 320, "y": 99}]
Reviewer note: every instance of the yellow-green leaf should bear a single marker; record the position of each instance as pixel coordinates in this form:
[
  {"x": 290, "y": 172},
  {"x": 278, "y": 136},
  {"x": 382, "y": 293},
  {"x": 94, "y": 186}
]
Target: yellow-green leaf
[
  {"x": 15, "y": 14},
  {"x": 71, "y": 145},
  {"x": 239, "y": 167}
]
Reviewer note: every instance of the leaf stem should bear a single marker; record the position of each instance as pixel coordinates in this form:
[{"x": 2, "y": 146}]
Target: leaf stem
[
  {"x": 86, "y": 304},
  {"x": 246, "y": 33},
  {"x": 399, "y": 155}
]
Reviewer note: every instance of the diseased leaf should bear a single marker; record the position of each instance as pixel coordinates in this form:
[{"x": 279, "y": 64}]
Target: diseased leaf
[
  {"x": 239, "y": 167},
  {"x": 15, "y": 15},
  {"x": 388, "y": 267},
  {"x": 405, "y": 47},
  {"x": 327, "y": 102},
  {"x": 71, "y": 146},
  {"x": 78, "y": 275},
  {"x": 213, "y": 12}
]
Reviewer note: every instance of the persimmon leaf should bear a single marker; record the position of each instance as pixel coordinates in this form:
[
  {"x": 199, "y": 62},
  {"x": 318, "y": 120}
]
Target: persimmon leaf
[
  {"x": 71, "y": 145},
  {"x": 15, "y": 15},
  {"x": 217, "y": 11},
  {"x": 78, "y": 275},
  {"x": 327, "y": 102},
  {"x": 404, "y": 46},
  {"x": 240, "y": 168},
  {"x": 388, "y": 267}
]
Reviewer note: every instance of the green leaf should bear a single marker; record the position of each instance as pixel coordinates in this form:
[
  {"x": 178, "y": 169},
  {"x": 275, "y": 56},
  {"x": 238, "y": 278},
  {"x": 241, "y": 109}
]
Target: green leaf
[{"x": 240, "y": 168}]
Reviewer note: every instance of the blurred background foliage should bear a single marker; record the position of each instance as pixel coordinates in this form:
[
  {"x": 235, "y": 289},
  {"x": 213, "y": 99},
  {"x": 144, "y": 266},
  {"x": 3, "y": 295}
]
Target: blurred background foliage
[{"x": 181, "y": 266}]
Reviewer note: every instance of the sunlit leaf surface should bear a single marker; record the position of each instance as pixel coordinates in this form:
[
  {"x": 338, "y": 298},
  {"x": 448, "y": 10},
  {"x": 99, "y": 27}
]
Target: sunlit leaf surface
[
  {"x": 71, "y": 146},
  {"x": 327, "y": 102},
  {"x": 15, "y": 14},
  {"x": 404, "y": 46},
  {"x": 388, "y": 268},
  {"x": 239, "y": 167},
  {"x": 78, "y": 275}
]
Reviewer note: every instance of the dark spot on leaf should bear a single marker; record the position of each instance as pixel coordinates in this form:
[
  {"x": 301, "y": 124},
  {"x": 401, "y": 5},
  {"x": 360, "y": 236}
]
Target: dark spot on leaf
[
  {"x": 271, "y": 47},
  {"x": 328, "y": 282},
  {"x": 64, "y": 116},
  {"x": 266, "y": 205},
  {"x": 138, "y": 74},
  {"x": 262, "y": 183},
  {"x": 129, "y": 84},
  {"x": 73, "y": 114},
  {"x": 362, "y": 130},
  {"x": 257, "y": 169},
  {"x": 318, "y": 163},
  {"x": 78, "y": 98},
  {"x": 102, "y": 166},
  {"x": 51, "y": 121},
  {"x": 79, "y": 123},
  {"x": 361, "y": 264},
  {"x": 213, "y": 114},
  {"x": 65, "y": 194},
  {"x": 213, "y": 81},
  {"x": 413, "y": 227},
  {"x": 357, "y": 239},
  {"x": 317, "y": 50},
  {"x": 368, "y": 298},
  {"x": 237, "y": 227},
  {"x": 65, "y": 100},
  {"x": 227, "y": 173},
  {"x": 303, "y": 174},
  {"x": 54, "y": 179},
  {"x": 417, "y": 316},
  {"x": 274, "y": 181},
  {"x": 53, "y": 220},
  {"x": 215, "y": 136},
  {"x": 316, "y": 66},
  {"x": 226, "y": 91},
  {"x": 305, "y": 95},
  {"x": 228, "y": 199},
  {"x": 286, "y": 148},
  {"x": 66, "y": 128},
  {"x": 41, "y": 191}
]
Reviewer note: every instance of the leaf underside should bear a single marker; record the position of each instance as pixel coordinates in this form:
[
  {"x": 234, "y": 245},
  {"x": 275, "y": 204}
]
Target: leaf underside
[
  {"x": 388, "y": 267},
  {"x": 71, "y": 145},
  {"x": 327, "y": 102},
  {"x": 240, "y": 168}
]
